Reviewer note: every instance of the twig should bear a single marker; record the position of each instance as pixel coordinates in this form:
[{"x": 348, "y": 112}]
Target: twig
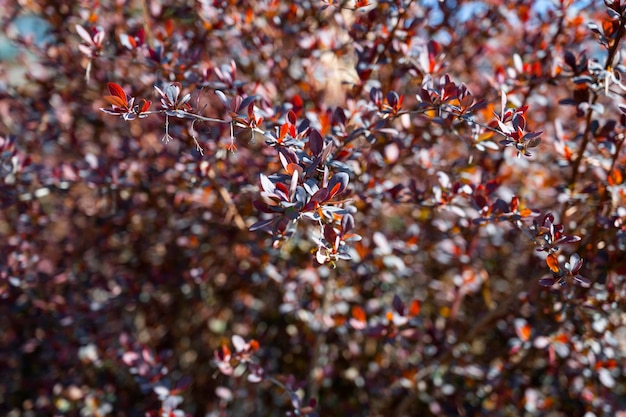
[
  {"x": 320, "y": 339},
  {"x": 587, "y": 133},
  {"x": 146, "y": 23},
  {"x": 232, "y": 211},
  {"x": 443, "y": 361}
]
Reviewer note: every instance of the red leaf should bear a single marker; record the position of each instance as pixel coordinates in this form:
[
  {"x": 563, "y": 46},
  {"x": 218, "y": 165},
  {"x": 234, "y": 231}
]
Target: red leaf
[
  {"x": 118, "y": 91},
  {"x": 358, "y": 313},
  {"x": 359, "y": 319},
  {"x": 225, "y": 352},
  {"x": 283, "y": 132},
  {"x": 292, "y": 118},
  {"x": 146, "y": 105},
  {"x": 523, "y": 330},
  {"x": 298, "y": 104}
]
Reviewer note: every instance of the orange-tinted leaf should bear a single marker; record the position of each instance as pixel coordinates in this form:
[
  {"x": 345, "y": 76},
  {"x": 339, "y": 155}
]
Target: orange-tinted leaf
[
  {"x": 291, "y": 167},
  {"x": 359, "y": 319},
  {"x": 225, "y": 352},
  {"x": 553, "y": 262},
  {"x": 526, "y": 212},
  {"x": 325, "y": 123},
  {"x": 254, "y": 345},
  {"x": 616, "y": 177},
  {"x": 169, "y": 27},
  {"x": 115, "y": 101},
  {"x": 409, "y": 374},
  {"x": 523, "y": 330},
  {"x": 546, "y": 404},
  {"x": 283, "y": 132},
  {"x": 414, "y": 310},
  {"x": 128, "y": 41},
  {"x": 358, "y": 313},
  {"x": 567, "y": 153}
]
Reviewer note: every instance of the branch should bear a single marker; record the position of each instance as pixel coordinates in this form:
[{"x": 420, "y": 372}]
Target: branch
[
  {"x": 231, "y": 212},
  {"x": 320, "y": 340}
]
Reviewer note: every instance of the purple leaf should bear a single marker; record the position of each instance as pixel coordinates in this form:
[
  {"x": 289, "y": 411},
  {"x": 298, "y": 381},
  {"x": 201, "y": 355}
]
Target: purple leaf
[
  {"x": 330, "y": 234},
  {"x": 398, "y": 305},
  {"x": 347, "y": 223},
  {"x": 547, "y": 281},
  {"x": 316, "y": 142},
  {"x": 261, "y": 225}
]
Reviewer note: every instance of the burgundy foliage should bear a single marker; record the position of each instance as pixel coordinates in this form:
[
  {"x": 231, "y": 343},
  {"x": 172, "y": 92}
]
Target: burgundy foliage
[{"x": 312, "y": 208}]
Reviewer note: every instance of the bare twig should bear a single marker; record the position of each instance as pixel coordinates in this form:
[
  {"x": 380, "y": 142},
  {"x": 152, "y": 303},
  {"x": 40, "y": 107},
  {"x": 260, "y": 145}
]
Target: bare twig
[
  {"x": 320, "y": 339},
  {"x": 146, "y": 23},
  {"x": 232, "y": 212}
]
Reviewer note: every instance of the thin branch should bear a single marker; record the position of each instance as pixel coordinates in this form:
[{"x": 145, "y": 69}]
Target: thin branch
[
  {"x": 481, "y": 326},
  {"x": 320, "y": 339},
  {"x": 232, "y": 211},
  {"x": 146, "y": 23},
  {"x": 587, "y": 133}
]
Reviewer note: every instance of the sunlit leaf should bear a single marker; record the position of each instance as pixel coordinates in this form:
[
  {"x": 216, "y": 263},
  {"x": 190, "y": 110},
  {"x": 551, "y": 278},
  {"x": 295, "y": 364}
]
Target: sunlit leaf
[{"x": 553, "y": 262}]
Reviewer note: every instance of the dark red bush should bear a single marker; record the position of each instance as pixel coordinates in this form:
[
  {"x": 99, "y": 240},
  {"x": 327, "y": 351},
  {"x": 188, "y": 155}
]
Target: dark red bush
[{"x": 351, "y": 208}]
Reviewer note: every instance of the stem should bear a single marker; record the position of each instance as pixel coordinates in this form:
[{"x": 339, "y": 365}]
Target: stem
[
  {"x": 386, "y": 44},
  {"x": 232, "y": 211},
  {"x": 588, "y": 119},
  {"x": 320, "y": 340},
  {"x": 583, "y": 145},
  {"x": 595, "y": 96},
  {"x": 146, "y": 23},
  {"x": 204, "y": 119},
  {"x": 444, "y": 357},
  {"x": 448, "y": 355}
]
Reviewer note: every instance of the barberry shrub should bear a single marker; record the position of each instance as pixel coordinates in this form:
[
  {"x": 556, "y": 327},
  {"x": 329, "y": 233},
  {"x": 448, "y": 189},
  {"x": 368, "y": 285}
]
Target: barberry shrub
[{"x": 356, "y": 208}]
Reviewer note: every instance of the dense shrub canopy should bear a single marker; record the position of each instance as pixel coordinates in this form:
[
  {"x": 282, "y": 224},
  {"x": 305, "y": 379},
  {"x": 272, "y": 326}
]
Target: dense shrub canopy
[{"x": 352, "y": 208}]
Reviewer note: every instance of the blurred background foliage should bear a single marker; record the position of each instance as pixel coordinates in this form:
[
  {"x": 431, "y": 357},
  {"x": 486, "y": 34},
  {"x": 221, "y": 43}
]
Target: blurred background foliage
[{"x": 117, "y": 246}]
